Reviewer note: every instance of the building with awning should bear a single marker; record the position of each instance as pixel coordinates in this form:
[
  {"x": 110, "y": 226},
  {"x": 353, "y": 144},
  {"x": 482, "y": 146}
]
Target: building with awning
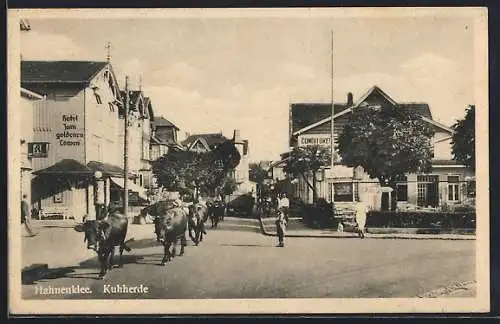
[
  {"x": 64, "y": 190},
  {"x": 79, "y": 122}
]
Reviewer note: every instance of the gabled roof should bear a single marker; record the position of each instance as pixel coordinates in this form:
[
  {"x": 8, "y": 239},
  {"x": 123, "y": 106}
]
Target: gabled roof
[
  {"x": 305, "y": 114},
  {"x": 211, "y": 139},
  {"x": 421, "y": 109},
  {"x": 162, "y": 122},
  {"x": 60, "y": 71}
]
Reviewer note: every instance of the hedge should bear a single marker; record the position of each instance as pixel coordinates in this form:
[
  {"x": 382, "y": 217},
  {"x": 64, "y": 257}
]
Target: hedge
[{"x": 416, "y": 219}]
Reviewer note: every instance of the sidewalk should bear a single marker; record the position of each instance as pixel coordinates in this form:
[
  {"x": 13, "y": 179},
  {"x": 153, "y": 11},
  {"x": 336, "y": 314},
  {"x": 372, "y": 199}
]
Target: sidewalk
[
  {"x": 59, "y": 245},
  {"x": 270, "y": 230}
]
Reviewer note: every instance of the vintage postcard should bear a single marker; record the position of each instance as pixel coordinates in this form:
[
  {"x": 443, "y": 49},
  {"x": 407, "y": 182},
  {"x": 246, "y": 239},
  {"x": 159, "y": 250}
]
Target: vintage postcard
[{"x": 223, "y": 161}]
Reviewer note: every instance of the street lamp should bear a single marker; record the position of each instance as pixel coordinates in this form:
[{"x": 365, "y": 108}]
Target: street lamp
[{"x": 98, "y": 175}]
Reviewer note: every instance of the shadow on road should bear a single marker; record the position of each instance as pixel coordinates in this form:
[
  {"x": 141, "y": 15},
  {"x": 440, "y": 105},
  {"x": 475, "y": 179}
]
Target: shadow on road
[
  {"x": 151, "y": 242},
  {"x": 71, "y": 272},
  {"x": 248, "y": 245}
]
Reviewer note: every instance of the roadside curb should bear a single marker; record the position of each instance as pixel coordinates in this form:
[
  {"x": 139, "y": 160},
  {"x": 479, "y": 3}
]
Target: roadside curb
[{"x": 448, "y": 237}]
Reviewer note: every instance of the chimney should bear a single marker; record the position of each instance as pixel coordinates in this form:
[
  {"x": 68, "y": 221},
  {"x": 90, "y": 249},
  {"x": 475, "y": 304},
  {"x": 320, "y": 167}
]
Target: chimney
[
  {"x": 237, "y": 136},
  {"x": 349, "y": 99}
]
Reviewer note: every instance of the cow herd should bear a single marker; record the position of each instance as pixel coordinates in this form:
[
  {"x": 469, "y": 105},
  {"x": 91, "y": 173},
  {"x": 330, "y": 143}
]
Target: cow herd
[{"x": 171, "y": 222}]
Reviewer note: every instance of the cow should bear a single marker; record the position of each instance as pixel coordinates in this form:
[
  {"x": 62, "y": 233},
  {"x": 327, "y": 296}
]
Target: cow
[
  {"x": 170, "y": 226},
  {"x": 103, "y": 236},
  {"x": 198, "y": 215},
  {"x": 216, "y": 212}
]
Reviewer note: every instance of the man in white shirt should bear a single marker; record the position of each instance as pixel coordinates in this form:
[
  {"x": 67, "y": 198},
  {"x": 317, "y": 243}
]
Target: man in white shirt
[{"x": 282, "y": 218}]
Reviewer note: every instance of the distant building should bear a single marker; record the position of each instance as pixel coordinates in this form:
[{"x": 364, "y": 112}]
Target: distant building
[
  {"x": 210, "y": 141},
  {"x": 163, "y": 137},
  {"x": 310, "y": 124}
]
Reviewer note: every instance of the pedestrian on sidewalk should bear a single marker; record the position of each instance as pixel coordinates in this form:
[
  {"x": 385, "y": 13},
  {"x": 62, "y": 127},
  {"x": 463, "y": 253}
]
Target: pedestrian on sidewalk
[
  {"x": 361, "y": 211},
  {"x": 25, "y": 216},
  {"x": 282, "y": 219}
]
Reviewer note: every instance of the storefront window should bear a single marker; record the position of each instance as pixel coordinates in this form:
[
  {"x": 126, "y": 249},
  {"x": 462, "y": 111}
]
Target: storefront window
[{"x": 343, "y": 191}]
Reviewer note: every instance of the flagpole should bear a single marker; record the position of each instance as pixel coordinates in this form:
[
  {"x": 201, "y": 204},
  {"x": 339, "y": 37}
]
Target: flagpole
[
  {"x": 125, "y": 151},
  {"x": 332, "y": 129}
]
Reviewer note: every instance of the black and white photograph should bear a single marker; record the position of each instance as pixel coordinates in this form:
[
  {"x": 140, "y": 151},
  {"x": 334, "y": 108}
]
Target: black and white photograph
[{"x": 248, "y": 160}]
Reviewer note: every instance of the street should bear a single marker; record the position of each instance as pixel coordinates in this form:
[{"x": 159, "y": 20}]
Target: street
[{"x": 239, "y": 264}]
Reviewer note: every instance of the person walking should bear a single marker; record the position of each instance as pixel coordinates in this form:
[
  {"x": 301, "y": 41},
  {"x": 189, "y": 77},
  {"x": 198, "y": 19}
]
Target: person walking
[
  {"x": 282, "y": 219},
  {"x": 361, "y": 211},
  {"x": 25, "y": 216}
]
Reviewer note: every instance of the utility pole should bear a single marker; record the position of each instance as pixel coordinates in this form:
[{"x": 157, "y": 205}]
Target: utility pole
[
  {"x": 125, "y": 151},
  {"x": 108, "y": 48},
  {"x": 332, "y": 129}
]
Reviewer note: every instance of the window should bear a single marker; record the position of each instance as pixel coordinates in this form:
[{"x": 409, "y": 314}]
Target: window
[
  {"x": 343, "y": 191},
  {"x": 427, "y": 190},
  {"x": 402, "y": 192},
  {"x": 111, "y": 106},
  {"x": 453, "y": 188},
  {"x": 98, "y": 98},
  {"x": 356, "y": 191}
]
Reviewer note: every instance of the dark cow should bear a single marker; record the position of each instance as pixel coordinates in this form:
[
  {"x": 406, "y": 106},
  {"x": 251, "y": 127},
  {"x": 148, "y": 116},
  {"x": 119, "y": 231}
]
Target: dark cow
[
  {"x": 198, "y": 215},
  {"x": 216, "y": 212},
  {"x": 170, "y": 226},
  {"x": 103, "y": 236}
]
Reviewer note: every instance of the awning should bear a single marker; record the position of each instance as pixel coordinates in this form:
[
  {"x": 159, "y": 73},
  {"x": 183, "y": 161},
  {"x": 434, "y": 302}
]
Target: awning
[
  {"x": 66, "y": 167},
  {"x": 108, "y": 169},
  {"x": 131, "y": 186}
]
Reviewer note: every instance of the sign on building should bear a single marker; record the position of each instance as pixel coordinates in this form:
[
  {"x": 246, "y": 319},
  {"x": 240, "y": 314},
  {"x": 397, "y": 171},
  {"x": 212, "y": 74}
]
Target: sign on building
[
  {"x": 315, "y": 139},
  {"x": 38, "y": 150}
]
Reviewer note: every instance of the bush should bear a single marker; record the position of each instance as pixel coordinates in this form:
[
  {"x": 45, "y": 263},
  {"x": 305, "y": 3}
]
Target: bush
[
  {"x": 242, "y": 205},
  {"x": 381, "y": 219},
  {"x": 319, "y": 215}
]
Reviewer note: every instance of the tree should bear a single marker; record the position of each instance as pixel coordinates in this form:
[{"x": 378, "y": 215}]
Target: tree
[
  {"x": 196, "y": 172},
  {"x": 306, "y": 160},
  {"x": 387, "y": 143},
  {"x": 257, "y": 173},
  {"x": 463, "y": 140}
]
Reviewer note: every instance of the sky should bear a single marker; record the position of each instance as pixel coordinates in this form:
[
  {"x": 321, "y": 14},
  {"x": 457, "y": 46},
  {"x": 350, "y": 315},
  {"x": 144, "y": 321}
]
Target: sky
[{"x": 221, "y": 74}]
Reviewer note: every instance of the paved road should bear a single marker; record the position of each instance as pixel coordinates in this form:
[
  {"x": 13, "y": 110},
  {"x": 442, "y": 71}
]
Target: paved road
[{"x": 232, "y": 264}]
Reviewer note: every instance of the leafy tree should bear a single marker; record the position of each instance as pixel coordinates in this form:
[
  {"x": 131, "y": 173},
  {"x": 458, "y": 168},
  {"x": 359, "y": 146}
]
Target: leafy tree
[
  {"x": 228, "y": 186},
  {"x": 463, "y": 141},
  {"x": 257, "y": 173},
  {"x": 387, "y": 143},
  {"x": 196, "y": 172},
  {"x": 306, "y": 160}
]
